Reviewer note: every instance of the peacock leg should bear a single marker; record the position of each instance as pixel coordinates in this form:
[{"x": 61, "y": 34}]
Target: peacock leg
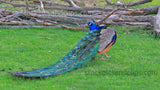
[
  {"x": 102, "y": 56},
  {"x": 107, "y": 56}
]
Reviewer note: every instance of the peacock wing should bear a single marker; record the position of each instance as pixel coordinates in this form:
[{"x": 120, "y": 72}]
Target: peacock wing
[{"x": 106, "y": 38}]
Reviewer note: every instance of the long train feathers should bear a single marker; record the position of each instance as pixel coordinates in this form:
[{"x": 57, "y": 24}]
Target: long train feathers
[{"x": 78, "y": 56}]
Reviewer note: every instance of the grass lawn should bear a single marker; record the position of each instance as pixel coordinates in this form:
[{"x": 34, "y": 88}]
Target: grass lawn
[{"x": 134, "y": 64}]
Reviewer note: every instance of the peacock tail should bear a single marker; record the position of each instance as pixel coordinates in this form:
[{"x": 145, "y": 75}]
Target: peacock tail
[{"x": 75, "y": 58}]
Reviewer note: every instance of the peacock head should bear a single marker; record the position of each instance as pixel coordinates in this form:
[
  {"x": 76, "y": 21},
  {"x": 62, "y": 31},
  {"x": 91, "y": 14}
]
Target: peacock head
[{"x": 92, "y": 25}]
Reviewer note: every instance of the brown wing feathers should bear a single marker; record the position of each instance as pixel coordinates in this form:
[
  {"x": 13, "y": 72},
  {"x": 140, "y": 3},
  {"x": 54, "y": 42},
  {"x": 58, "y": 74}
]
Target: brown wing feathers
[{"x": 106, "y": 40}]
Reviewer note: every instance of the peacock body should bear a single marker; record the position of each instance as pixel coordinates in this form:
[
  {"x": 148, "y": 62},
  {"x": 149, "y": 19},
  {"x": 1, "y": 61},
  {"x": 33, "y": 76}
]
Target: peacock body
[{"x": 107, "y": 39}]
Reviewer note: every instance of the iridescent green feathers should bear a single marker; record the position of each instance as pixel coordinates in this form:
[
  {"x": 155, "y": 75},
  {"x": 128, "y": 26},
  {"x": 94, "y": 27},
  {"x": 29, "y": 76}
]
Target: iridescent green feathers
[{"x": 75, "y": 58}]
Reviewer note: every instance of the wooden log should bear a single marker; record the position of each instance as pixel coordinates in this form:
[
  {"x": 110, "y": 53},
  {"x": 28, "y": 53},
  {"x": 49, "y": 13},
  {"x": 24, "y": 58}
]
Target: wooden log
[
  {"x": 5, "y": 12},
  {"x": 150, "y": 10},
  {"x": 124, "y": 18},
  {"x": 11, "y": 17},
  {"x": 13, "y": 23},
  {"x": 157, "y": 24},
  {"x": 63, "y": 18},
  {"x": 132, "y": 23},
  {"x": 83, "y": 19}
]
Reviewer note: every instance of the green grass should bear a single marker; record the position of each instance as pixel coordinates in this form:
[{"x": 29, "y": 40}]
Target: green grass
[{"x": 134, "y": 56}]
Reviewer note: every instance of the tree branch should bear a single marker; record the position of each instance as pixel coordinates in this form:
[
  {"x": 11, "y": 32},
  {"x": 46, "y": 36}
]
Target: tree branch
[
  {"x": 41, "y": 6},
  {"x": 100, "y": 22},
  {"x": 72, "y": 4}
]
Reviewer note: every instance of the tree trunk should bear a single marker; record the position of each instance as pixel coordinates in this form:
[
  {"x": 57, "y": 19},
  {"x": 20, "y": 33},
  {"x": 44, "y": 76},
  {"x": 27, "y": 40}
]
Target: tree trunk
[{"x": 157, "y": 24}]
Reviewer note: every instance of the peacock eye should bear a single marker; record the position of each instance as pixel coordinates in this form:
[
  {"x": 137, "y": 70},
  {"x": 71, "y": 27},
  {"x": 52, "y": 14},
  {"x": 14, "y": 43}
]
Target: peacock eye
[{"x": 90, "y": 24}]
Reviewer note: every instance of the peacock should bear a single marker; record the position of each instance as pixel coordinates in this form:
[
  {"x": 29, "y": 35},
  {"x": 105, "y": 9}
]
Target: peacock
[
  {"x": 87, "y": 47},
  {"x": 108, "y": 37}
]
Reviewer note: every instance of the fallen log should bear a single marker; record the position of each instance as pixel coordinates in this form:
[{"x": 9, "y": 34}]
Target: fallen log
[
  {"x": 130, "y": 23},
  {"x": 63, "y": 18},
  {"x": 124, "y": 18},
  {"x": 4, "y": 12},
  {"x": 73, "y": 19},
  {"x": 14, "y": 23},
  {"x": 150, "y": 10},
  {"x": 11, "y": 17}
]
